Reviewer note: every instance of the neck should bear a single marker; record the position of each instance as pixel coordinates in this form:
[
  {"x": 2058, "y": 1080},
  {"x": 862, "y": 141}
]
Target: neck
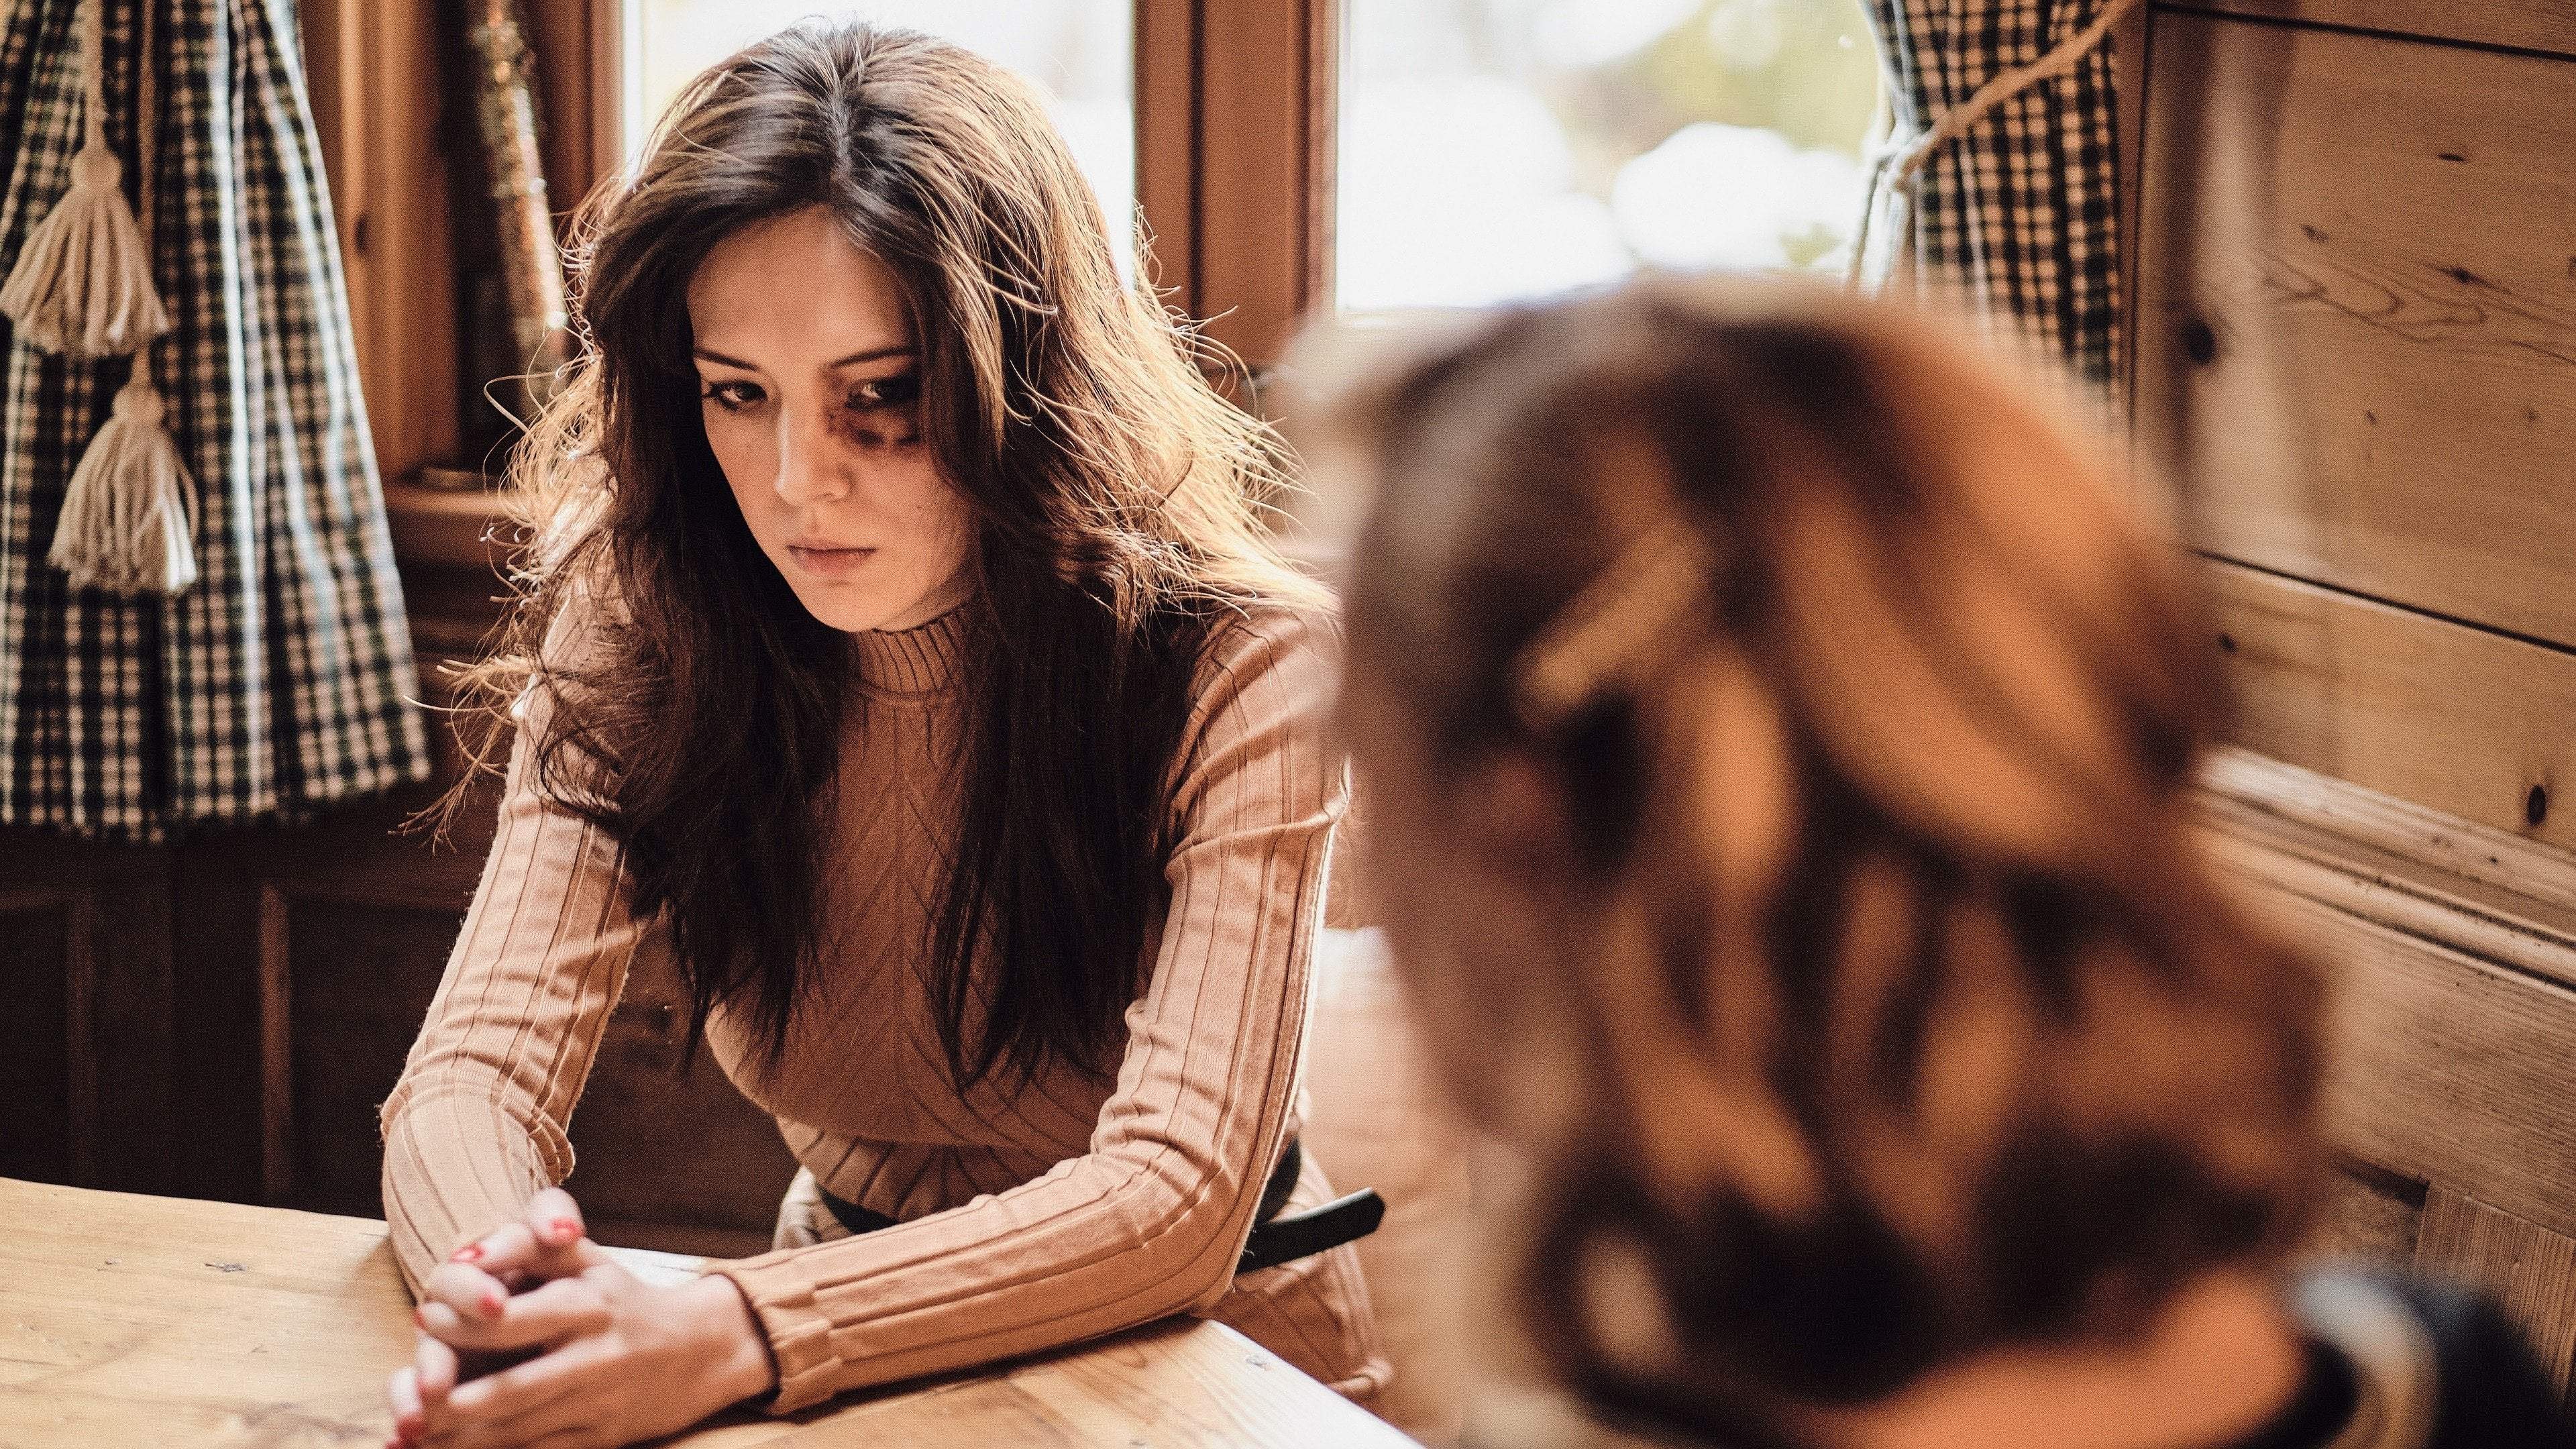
[{"x": 2220, "y": 1360}]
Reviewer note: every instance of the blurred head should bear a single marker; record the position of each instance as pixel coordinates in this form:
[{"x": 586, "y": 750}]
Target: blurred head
[
  {"x": 856, "y": 356},
  {"x": 1778, "y": 748}
]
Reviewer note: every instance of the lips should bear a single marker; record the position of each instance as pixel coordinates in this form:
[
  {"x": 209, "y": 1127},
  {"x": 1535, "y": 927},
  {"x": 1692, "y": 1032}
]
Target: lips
[{"x": 828, "y": 560}]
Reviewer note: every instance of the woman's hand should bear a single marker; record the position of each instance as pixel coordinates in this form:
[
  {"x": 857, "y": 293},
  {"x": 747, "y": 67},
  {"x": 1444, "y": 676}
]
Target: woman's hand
[{"x": 583, "y": 1354}]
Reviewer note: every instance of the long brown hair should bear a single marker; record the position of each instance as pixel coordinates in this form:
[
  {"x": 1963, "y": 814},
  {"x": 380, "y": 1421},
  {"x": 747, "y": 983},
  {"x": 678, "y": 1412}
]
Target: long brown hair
[
  {"x": 1779, "y": 747},
  {"x": 1114, "y": 497}
]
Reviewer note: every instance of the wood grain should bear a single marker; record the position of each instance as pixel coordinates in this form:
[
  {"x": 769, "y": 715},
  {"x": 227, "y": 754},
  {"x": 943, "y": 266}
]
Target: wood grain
[
  {"x": 1167, "y": 127},
  {"x": 134, "y": 1320},
  {"x": 2357, "y": 312},
  {"x": 2448, "y": 949},
  {"x": 1234, "y": 117},
  {"x": 375, "y": 84},
  {"x": 2368, "y": 1215},
  {"x": 2531, "y": 24},
  {"x": 2530, "y": 1270},
  {"x": 2459, "y": 719},
  {"x": 2479, "y": 891},
  {"x": 276, "y": 1048},
  {"x": 2445, "y": 1069}
]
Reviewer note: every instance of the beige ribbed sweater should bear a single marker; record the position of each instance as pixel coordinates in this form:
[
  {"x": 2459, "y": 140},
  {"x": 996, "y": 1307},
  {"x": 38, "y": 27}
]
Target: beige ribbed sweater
[{"x": 1071, "y": 1209}]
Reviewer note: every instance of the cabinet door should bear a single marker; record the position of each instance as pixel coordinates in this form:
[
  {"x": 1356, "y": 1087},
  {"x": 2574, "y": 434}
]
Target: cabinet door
[{"x": 85, "y": 1045}]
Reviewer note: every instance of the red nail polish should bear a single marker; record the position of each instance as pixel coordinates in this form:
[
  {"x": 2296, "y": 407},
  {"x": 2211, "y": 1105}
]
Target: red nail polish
[
  {"x": 491, "y": 1302},
  {"x": 468, "y": 1253},
  {"x": 567, "y": 1228},
  {"x": 420, "y": 1315}
]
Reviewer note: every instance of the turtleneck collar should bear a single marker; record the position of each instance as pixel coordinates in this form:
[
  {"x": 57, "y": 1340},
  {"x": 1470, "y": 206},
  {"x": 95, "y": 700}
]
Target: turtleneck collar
[{"x": 921, "y": 660}]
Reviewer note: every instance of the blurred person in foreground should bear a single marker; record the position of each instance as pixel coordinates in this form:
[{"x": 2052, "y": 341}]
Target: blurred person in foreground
[{"x": 1780, "y": 748}]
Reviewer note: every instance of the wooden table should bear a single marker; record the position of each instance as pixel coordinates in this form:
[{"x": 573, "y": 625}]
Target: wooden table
[{"x": 130, "y": 1320}]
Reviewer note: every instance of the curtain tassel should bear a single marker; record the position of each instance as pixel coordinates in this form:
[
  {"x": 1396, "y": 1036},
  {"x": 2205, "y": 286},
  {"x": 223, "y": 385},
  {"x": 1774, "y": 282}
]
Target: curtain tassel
[
  {"x": 83, "y": 283},
  {"x": 127, "y": 522}
]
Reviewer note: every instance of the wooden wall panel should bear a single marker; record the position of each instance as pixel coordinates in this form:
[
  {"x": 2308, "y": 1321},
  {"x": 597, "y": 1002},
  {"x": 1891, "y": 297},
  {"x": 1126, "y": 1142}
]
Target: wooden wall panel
[
  {"x": 357, "y": 978},
  {"x": 2355, "y": 346},
  {"x": 2368, "y": 1215},
  {"x": 135, "y": 1019},
  {"x": 85, "y": 934},
  {"x": 2447, "y": 1070},
  {"x": 2460, "y": 719},
  {"x": 373, "y": 73},
  {"x": 2530, "y": 1270},
  {"x": 2548, "y": 25},
  {"x": 42, "y": 948},
  {"x": 2364, "y": 371},
  {"x": 670, "y": 1158}
]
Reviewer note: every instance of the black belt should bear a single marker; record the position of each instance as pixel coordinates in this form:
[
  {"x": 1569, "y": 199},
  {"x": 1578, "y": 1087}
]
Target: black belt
[{"x": 1275, "y": 1239}]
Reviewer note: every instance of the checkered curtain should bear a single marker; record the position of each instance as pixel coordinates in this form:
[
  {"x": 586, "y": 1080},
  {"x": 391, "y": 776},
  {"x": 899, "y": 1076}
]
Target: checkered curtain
[
  {"x": 2022, "y": 213},
  {"x": 278, "y": 683}
]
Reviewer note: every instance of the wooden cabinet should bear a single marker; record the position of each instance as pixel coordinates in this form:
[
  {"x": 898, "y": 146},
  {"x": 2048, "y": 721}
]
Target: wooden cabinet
[
  {"x": 2355, "y": 348},
  {"x": 85, "y": 937},
  {"x": 221, "y": 1018}
]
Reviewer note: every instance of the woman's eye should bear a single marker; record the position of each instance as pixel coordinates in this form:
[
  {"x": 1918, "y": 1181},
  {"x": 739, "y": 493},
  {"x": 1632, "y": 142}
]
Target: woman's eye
[
  {"x": 886, "y": 392},
  {"x": 733, "y": 397}
]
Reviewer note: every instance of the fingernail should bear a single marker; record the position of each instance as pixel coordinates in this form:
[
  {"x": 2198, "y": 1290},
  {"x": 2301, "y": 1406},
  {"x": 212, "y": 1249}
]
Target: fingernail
[
  {"x": 420, "y": 1314},
  {"x": 468, "y": 1253},
  {"x": 566, "y": 1229},
  {"x": 490, "y": 1302}
]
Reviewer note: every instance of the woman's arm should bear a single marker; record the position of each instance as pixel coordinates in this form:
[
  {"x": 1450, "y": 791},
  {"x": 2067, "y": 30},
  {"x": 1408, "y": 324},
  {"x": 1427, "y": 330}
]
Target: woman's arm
[
  {"x": 476, "y": 1125},
  {"x": 1151, "y": 1220}
]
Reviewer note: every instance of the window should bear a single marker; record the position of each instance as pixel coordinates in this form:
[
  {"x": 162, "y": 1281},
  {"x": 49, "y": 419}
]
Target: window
[
  {"x": 1496, "y": 149},
  {"x": 1079, "y": 53}
]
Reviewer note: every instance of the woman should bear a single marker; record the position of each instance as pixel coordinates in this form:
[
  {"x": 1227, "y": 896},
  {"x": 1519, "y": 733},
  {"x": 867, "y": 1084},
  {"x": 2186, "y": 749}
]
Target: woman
[
  {"x": 905, "y": 660},
  {"x": 1781, "y": 751}
]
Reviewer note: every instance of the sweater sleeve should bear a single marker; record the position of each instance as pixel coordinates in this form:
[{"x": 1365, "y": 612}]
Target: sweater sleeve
[
  {"x": 1151, "y": 1219},
  {"x": 476, "y": 1124}
]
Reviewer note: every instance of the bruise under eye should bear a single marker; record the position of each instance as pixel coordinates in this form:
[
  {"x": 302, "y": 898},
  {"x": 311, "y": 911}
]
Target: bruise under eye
[{"x": 880, "y": 414}]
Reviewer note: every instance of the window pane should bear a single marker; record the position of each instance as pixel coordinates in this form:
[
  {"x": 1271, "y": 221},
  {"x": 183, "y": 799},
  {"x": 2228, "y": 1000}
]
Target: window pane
[
  {"x": 1494, "y": 149},
  {"x": 1080, "y": 53}
]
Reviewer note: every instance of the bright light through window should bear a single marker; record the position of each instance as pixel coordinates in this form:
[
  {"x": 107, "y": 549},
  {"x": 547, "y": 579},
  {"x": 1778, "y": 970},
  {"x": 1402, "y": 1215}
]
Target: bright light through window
[
  {"x": 1498, "y": 149},
  {"x": 1080, "y": 53}
]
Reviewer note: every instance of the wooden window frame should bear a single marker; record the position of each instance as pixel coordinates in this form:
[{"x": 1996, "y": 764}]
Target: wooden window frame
[
  {"x": 1235, "y": 108},
  {"x": 368, "y": 69}
]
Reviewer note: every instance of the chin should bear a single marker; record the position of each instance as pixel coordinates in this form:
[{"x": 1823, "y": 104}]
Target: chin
[
  {"x": 854, "y": 610},
  {"x": 850, "y": 616}
]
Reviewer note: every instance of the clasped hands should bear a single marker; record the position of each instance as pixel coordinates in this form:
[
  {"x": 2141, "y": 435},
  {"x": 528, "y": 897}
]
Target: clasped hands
[{"x": 572, "y": 1350}]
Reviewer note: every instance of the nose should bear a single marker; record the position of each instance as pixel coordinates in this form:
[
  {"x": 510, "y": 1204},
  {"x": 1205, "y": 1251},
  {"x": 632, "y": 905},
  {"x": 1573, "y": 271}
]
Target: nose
[{"x": 813, "y": 464}]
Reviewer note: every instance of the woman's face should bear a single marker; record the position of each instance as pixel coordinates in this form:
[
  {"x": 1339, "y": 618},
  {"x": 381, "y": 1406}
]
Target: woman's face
[{"x": 809, "y": 379}]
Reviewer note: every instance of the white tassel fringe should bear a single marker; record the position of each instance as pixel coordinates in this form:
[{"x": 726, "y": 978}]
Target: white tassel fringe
[
  {"x": 83, "y": 283},
  {"x": 128, "y": 520}
]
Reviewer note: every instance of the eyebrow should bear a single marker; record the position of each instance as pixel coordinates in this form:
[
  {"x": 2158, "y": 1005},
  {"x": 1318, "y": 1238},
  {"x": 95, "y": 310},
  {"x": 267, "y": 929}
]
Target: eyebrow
[{"x": 873, "y": 354}]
